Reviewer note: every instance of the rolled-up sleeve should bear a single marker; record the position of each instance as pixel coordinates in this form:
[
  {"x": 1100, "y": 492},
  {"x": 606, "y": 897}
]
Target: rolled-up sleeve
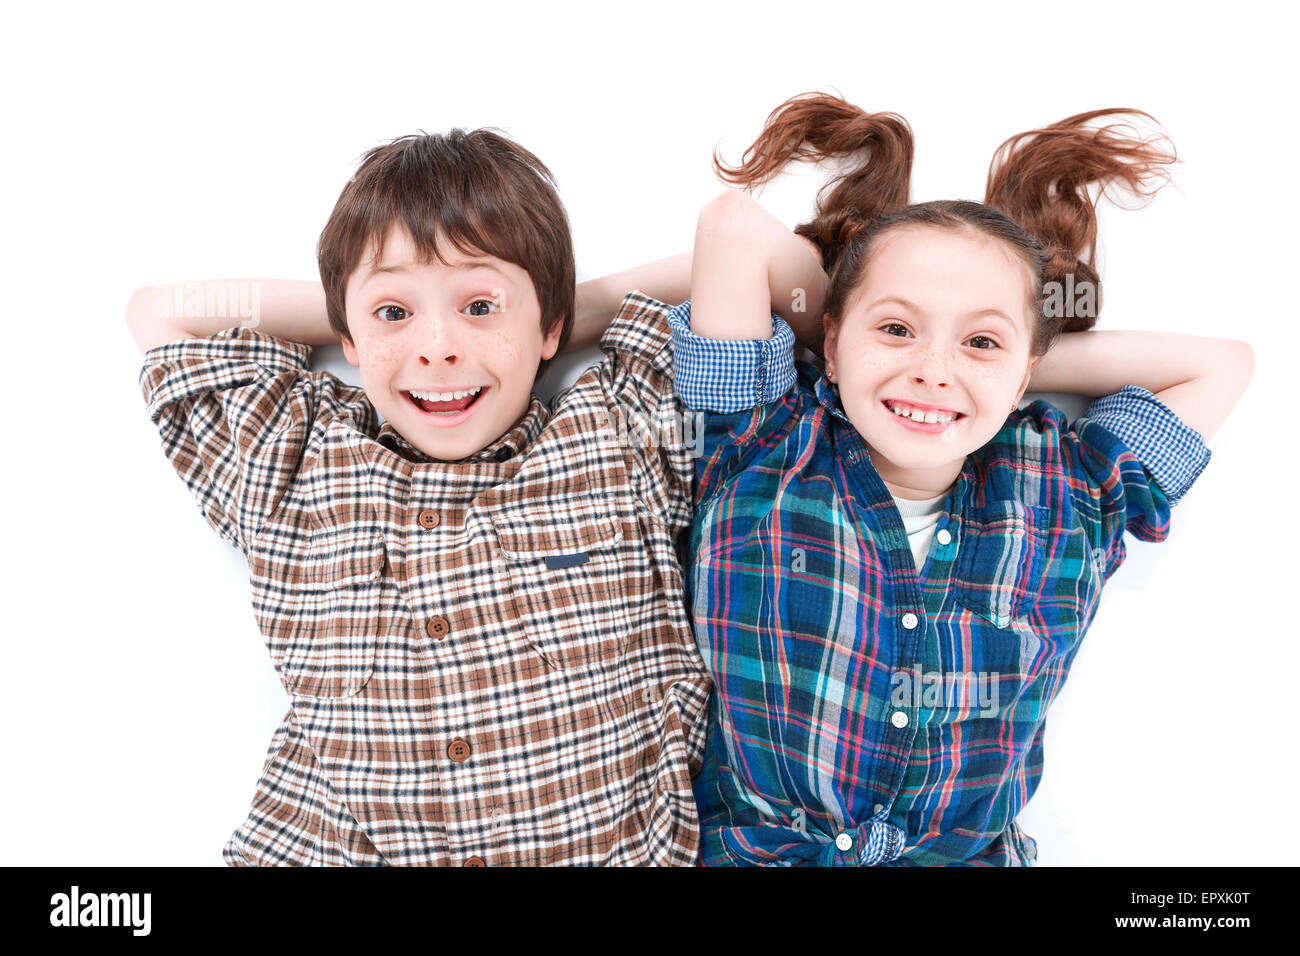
[
  {"x": 1131, "y": 458},
  {"x": 1171, "y": 450},
  {"x": 233, "y": 411},
  {"x": 725, "y": 375}
]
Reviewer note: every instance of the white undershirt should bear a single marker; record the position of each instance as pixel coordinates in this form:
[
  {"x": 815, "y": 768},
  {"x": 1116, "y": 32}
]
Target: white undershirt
[{"x": 920, "y": 518}]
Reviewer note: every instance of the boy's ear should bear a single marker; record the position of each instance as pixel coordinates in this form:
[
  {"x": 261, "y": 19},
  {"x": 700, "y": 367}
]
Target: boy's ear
[
  {"x": 551, "y": 341},
  {"x": 350, "y": 351}
]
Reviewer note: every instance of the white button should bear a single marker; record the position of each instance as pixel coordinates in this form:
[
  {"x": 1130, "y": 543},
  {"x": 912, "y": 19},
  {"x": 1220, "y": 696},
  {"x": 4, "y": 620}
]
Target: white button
[
  {"x": 879, "y": 807},
  {"x": 909, "y": 620},
  {"x": 899, "y": 718},
  {"x": 943, "y": 536},
  {"x": 844, "y": 842}
]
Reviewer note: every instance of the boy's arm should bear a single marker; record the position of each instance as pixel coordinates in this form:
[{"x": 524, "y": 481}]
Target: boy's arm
[
  {"x": 1200, "y": 378},
  {"x": 746, "y": 264},
  {"x": 598, "y": 300},
  {"x": 285, "y": 308}
]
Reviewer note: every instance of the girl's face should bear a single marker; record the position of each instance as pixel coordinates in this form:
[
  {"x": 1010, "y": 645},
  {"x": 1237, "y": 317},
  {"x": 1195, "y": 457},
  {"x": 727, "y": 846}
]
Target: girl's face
[{"x": 938, "y": 327}]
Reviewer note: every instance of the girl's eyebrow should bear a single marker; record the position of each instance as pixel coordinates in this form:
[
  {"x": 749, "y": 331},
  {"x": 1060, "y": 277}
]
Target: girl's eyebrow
[
  {"x": 913, "y": 307},
  {"x": 910, "y": 306}
]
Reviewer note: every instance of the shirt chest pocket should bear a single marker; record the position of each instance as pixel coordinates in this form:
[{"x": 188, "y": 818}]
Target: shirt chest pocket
[
  {"x": 999, "y": 572},
  {"x": 324, "y": 612},
  {"x": 572, "y": 579}
]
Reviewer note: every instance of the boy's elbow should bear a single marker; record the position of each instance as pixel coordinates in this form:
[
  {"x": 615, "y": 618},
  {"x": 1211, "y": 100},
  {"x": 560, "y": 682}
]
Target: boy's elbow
[{"x": 149, "y": 330}]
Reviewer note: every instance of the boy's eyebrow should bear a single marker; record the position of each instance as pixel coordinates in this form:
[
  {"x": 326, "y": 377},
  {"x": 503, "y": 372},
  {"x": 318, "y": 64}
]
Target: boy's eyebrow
[{"x": 404, "y": 268}]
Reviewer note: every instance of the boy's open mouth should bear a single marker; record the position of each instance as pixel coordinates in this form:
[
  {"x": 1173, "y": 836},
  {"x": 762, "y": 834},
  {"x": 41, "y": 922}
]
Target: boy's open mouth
[{"x": 445, "y": 403}]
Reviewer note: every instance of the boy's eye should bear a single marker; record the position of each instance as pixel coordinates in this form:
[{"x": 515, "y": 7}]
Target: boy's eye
[
  {"x": 481, "y": 307},
  {"x": 383, "y": 311},
  {"x": 984, "y": 338}
]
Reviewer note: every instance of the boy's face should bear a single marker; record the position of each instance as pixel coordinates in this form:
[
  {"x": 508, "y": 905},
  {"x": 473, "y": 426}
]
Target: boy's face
[{"x": 471, "y": 326}]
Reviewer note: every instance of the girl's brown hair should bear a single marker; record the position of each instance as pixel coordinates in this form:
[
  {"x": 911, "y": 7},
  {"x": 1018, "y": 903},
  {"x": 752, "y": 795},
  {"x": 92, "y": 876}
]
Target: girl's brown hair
[{"x": 1037, "y": 200}]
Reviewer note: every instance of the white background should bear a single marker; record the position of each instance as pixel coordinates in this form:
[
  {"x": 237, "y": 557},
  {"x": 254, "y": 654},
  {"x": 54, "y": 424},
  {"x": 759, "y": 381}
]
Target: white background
[{"x": 154, "y": 144}]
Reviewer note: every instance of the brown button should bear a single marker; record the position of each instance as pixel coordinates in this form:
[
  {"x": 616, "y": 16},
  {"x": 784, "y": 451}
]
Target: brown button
[
  {"x": 438, "y": 628},
  {"x": 428, "y": 519},
  {"x": 475, "y": 861},
  {"x": 458, "y": 750}
]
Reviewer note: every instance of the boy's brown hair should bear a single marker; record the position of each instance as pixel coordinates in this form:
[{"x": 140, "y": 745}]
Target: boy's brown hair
[{"x": 482, "y": 192}]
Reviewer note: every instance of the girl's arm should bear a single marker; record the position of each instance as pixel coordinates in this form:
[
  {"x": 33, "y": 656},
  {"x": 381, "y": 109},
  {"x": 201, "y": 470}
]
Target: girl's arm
[
  {"x": 745, "y": 266},
  {"x": 748, "y": 265},
  {"x": 286, "y": 308},
  {"x": 1200, "y": 378}
]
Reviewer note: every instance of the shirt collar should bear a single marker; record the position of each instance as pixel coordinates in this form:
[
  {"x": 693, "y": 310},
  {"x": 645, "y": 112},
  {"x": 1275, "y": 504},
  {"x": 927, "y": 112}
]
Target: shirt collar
[
  {"x": 829, "y": 397},
  {"x": 519, "y": 437}
]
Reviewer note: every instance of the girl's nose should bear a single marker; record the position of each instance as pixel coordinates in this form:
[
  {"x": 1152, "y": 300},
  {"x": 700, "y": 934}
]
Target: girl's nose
[{"x": 935, "y": 369}]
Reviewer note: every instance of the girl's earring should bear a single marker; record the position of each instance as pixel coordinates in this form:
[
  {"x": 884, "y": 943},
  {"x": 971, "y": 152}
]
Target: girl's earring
[{"x": 830, "y": 374}]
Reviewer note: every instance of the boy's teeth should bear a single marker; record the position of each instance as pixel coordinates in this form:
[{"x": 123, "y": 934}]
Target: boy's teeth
[{"x": 446, "y": 396}]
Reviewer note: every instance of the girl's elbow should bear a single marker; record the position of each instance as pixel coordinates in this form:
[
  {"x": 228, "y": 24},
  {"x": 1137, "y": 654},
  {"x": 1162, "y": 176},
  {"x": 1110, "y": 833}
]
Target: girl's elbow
[{"x": 729, "y": 216}]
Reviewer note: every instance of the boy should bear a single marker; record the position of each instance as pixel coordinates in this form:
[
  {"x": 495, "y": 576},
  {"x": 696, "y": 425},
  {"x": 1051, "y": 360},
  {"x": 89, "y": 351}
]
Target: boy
[{"x": 476, "y": 605}]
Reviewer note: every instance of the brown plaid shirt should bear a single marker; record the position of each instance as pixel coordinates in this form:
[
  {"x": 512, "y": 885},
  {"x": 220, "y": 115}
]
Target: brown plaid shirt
[{"x": 489, "y": 660}]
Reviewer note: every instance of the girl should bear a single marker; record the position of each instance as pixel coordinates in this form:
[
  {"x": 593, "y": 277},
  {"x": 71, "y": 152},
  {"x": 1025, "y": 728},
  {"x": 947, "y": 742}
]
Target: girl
[{"x": 890, "y": 575}]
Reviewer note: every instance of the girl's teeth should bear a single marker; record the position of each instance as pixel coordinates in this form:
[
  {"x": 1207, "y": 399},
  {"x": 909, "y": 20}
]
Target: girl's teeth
[{"x": 916, "y": 415}]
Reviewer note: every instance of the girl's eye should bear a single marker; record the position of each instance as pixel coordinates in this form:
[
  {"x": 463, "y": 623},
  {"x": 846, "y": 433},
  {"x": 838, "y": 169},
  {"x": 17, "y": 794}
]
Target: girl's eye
[
  {"x": 893, "y": 325},
  {"x": 383, "y": 309},
  {"x": 481, "y": 307},
  {"x": 983, "y": 338}
]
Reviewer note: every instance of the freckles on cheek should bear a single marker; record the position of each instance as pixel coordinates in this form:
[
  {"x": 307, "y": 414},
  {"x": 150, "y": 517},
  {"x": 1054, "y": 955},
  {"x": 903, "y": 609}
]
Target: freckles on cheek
[{"x": 381, "y": 354}]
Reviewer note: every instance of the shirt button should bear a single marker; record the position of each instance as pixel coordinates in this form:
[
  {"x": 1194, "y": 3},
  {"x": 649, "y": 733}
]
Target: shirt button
[
  {"x": 943, "y": 536},
  {"x": 899, "y": 719},
  {"x": 438, "y": 628},
  {"x": 428, "y": 519},
  {"x": 879, "y": 807},
  {"x": 458, "y": 750},
  {"x": 909, "y": 620},
  {"x": 475, "y": 861},
  {"x": 844, "y": 843}
]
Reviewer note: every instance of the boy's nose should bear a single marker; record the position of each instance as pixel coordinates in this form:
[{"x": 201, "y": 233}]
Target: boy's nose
[{"x": 441, "y": 343}]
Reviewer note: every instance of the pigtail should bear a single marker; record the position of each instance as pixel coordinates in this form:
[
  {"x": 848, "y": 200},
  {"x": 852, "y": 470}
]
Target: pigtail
[
  {"x": 818, "y": 126},
  {"x": 1041, "y": 179}
]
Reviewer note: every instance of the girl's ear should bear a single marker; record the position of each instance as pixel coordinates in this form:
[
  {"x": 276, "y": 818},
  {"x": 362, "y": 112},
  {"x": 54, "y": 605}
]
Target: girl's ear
[
  {"x": 1029, "y": 373},
  {"x": 830, "y": 329}
]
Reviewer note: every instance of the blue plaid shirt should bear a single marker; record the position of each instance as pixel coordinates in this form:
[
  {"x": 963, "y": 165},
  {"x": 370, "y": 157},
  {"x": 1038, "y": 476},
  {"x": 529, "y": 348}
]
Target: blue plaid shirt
[{"x": 864, "y": 713}]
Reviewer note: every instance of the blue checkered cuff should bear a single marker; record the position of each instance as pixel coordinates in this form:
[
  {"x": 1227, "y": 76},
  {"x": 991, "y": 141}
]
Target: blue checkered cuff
[
  {"x": 1170, "y": 449},
  {"x": 724, "y": 375}
]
